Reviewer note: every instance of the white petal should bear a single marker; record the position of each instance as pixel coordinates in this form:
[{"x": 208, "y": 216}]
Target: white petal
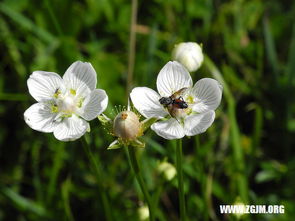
[
  {"x": 172, "y": 78},
  {"x": 198, "y": 123},
  {"x": 81, "y": 77},
  {"x": 207, "y": 94},
  {"x": 70, "y": 128},
  {"x": 40, "y": 118},
  {"x": 146, "y": 101},
  {"x": 168, "y": 129},
  {"x": 43, "y": 85},
  {"x": 114, "y": 145},
  {"x": 94, "y": 104}
]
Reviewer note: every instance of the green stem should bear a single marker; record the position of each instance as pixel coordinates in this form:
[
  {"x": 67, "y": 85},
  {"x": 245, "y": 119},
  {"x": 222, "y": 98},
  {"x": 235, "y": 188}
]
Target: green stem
[
  {"x": 242, "y": 182},
  {"x": 135, "y": 167},
  {"x": 180, "y": 179},
  {"x": 54, "y": 18},
  {"x": 132, "y": 45},
  {"x": 99, "y": 178},
  {"x": 57, "y": 164}
]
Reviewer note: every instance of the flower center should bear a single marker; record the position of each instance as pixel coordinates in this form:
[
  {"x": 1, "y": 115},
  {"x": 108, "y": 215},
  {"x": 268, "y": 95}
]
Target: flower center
[
  {"x": 66, "y": 104},
  {"x": 189, "y": 99}
]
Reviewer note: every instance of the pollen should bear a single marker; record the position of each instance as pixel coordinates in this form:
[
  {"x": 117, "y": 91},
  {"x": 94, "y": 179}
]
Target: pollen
[
  {"x": 57, "y": 93},
  {"x": 73, "y": 92},
  {"x": 190, "y": 99},
  {"x": 54, "y": 108},
  {"x": 189, "y": 111}
]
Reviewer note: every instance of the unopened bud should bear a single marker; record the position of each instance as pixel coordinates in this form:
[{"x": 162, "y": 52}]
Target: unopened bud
[
  {"x": 143, "y": 213},
  {"x": 127, "y": 125},
  {"x": 189, "y": 54},
  {"x": 167, "y": 169}
]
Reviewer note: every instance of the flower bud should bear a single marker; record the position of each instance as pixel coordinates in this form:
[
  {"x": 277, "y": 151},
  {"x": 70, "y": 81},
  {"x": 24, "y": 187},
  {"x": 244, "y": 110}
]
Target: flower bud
[
  {"x": 143, "y": 213},
  {"x": 167, "y": 169},
  {"x": 127, "y": 126},
  {"x": 189, "y": 54}
]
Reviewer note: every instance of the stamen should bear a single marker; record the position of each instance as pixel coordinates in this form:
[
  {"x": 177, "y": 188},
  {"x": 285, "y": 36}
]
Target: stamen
[
  {"x": 80, "y": 102},
  {"x": 57, "y": 93},
  {"x": 73, "y": 92},
  {"x": 54, "y": 108},
  {"x": 190, "y": 99}
]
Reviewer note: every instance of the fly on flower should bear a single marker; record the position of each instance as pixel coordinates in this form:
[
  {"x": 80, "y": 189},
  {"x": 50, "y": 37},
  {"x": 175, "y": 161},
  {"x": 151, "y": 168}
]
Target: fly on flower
[
  {"x": 174, "y": 102},
  {"x": 65, "y": 104},
  {"x": 183, "y": 109}
]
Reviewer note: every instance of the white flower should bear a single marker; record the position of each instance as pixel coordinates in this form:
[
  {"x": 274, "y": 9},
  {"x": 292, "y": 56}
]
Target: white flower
[
  {"x": 188, "y": 54},
  {"x": 65, "y": 104},
  {"x": 201, "y": 100}
]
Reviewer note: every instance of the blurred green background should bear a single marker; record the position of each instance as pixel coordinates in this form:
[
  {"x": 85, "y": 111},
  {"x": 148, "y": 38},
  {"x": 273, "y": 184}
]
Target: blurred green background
[{"x": 246, "y": 156}]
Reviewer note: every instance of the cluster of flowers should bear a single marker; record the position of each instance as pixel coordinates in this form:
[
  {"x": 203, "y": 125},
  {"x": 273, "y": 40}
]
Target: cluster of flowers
[{"x": 178, "y": 109}]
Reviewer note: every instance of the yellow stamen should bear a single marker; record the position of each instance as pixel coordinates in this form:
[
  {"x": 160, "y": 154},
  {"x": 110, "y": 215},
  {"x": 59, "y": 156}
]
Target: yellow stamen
[
  {"x": 188, "y": 111},
  {"x": 73, "y": 92},
  {"x": 80, "y": 102},
  {"x": 54, "y": 108},
  {"x": 57, "y": 93},
  {"x": 189, "y": 99}
]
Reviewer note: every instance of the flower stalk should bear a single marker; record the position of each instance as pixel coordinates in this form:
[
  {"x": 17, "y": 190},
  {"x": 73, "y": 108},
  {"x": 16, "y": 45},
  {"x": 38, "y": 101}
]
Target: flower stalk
[
  {"x": 180, "y": 179},
  {"x": 238, "y": 152},
  {"x": 135, "y": 167},
  {"x": 99, "y": 178}
]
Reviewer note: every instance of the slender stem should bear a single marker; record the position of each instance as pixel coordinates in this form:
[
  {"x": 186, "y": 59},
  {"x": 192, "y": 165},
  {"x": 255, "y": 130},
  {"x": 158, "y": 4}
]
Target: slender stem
[
  {"x": 54, "y": 18},
  {"x": 180, "y": 179},
  {"x": 238, "y": 153},
  {"x": 55, "y": 170},
  {"x": 99, "y": 177},
  {"x": 135, "y": 167},
  {"x": 132, "y": 41}
]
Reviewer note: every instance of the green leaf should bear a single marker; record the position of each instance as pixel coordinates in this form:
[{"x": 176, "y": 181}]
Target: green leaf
[{"x": 23, "y": 203}]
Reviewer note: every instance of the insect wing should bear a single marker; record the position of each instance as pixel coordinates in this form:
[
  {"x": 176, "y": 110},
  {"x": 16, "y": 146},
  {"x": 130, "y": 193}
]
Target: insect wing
[{"x": 180, "y": 92}]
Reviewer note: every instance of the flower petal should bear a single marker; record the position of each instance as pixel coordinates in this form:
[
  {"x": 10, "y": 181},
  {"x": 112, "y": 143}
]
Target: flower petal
[
  {"x": 94, "y": 104},
  {"x": 71, "y": 128},
  {"x": 39, "y": 117},
  {"x": 168, "y": 129},
  {"x": 173, "y": 77},
  {"x": 198, "y": 123},
  {"x": 146, "y": 101},
  {"x": 81, "y": 77},
  {"x": 207, "y": 94},
  {"x": 43, "y": 85}
]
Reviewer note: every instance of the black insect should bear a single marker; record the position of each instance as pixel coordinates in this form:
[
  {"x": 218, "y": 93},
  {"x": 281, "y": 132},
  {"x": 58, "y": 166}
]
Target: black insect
[{"x": 175, "y": 100}]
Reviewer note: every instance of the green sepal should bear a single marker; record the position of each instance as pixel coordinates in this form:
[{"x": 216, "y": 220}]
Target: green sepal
[
  {"x": 138, "y": 143},
  {"x": 148, "y": 122},
  {"x": 88, "y": 129},
  {"x": 104, "y": 120},
  {"x": 115, "y": 145}
]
